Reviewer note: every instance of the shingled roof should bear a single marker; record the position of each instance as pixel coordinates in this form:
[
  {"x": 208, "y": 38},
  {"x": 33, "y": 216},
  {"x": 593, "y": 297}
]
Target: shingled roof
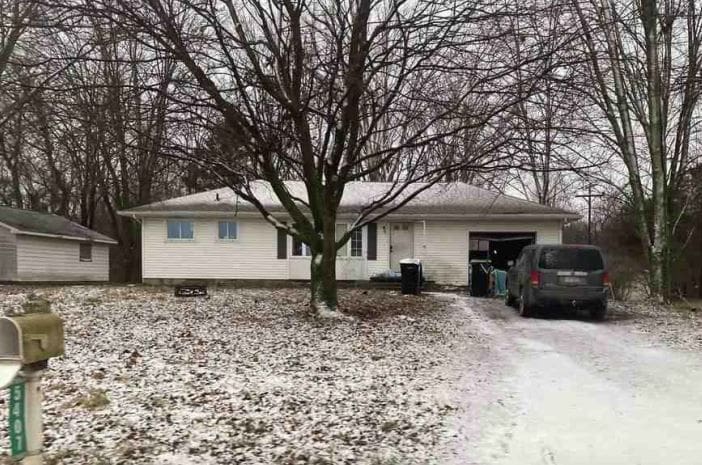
[
  {"x": 450, "y": 199},
  {"x": 47, "y": 225}
]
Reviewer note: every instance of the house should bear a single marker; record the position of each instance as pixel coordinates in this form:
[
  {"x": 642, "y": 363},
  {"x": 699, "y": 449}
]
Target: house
[
  {"x": 216, "y": 235},
  {"x": 44, "y": 247}
]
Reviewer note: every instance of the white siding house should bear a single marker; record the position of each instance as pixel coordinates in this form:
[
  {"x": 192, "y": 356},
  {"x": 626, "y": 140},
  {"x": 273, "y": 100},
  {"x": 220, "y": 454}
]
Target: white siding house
[
  {"x": 43, "y": 247},
  {"x": 216, "y": 236}
]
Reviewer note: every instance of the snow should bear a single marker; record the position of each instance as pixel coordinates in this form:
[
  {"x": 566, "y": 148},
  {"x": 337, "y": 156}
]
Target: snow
[
  {"x": 678, "y": 326},
  {"x": 563, "y": 390},
  {"x": 245, "y": 376},
  {"x": 449, "y": 198},
  {"x": 271, "y": 219}
]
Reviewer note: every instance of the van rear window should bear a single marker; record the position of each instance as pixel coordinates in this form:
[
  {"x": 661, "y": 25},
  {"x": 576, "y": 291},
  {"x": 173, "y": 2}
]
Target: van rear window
[{"x": 558, "y": 258}]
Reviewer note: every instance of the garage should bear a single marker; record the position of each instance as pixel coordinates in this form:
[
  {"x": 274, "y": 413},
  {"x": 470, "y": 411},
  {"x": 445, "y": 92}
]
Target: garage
[{"x": 490, "y": 251}]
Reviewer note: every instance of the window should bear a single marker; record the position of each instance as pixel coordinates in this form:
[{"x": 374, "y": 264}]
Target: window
[
  {"x": 357, "y": 243},
  {"x": 180, "y": 229},
  {"x": 341, "y": 229},
  {"x": 481, "y": 245},
  {"x": 300, "y": 249},
  {"x": 228, "y": 230},
  {"x": 85, "y": 252},
  {"x": 570, "y": 258}
]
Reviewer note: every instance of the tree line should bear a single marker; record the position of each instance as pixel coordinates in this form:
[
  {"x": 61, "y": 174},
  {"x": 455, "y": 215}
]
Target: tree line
[{"x": 109, "y": 104}]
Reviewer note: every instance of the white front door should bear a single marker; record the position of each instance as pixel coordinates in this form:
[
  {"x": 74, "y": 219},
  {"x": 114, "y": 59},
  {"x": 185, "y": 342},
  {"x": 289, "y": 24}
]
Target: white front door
[{"x": 400, "y": 244}]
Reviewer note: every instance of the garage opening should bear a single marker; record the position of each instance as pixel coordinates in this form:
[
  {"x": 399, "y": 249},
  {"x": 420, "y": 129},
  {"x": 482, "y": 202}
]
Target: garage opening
[
  {"x": 489, "y": 257},
  {"x": 499, "y": 247}
]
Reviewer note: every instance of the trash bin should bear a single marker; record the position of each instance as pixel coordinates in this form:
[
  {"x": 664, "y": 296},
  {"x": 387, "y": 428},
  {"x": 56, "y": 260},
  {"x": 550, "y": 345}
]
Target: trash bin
[
  {"x": 479, "y": 277},
  {"x": 411, "y": 270}
]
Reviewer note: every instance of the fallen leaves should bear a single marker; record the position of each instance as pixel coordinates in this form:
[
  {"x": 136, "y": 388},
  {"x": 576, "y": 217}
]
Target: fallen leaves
[
  {"x": 245, "y": 376},
  {"x": 674, "y": 327}
]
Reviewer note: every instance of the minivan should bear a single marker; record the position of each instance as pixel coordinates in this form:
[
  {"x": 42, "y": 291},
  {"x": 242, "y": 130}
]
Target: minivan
[{"x": 558, "y": 276}]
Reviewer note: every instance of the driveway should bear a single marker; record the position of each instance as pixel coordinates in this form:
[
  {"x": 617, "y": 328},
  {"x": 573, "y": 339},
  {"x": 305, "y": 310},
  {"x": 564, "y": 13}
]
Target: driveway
[{"x": 569, "y": 391}]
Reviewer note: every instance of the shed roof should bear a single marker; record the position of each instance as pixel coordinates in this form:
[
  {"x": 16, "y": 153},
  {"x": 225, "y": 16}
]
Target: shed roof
[
  {"x": 48, "y": 225},
  {"x": 448, "y": 199}
]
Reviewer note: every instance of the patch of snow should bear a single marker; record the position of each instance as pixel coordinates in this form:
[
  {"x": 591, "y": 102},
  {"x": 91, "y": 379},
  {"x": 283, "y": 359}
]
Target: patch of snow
[
  {"x": 453, "y": 198},
  {"x": 245, "y": 376}
]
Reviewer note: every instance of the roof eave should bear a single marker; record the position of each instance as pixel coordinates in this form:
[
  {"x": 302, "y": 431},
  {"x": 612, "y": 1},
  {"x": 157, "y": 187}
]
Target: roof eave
[
  {"x": 399, "y": 215},
  {"x": 61, "y": 236}
]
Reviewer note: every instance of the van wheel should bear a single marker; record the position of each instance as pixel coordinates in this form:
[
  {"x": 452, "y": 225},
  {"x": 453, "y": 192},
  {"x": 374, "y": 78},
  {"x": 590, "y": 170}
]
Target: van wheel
[
  {"x": 524, "y": 308},
  {"x": 599, "y": 313}
]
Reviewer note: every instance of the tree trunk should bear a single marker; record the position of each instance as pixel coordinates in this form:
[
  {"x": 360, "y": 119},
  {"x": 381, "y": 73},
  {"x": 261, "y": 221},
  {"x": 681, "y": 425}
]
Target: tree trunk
[
  {"x": 323, "y": 273},
  {"x": 657, "y": 149},
  {"x": 323, "y": 284}
]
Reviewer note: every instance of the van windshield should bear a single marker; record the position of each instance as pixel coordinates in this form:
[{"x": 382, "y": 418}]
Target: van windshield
[{"x": 570, "y": 258}]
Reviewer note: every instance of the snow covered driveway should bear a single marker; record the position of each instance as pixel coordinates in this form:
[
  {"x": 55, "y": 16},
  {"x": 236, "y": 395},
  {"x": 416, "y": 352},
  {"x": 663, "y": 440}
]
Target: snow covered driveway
[
  {"x": 570, "y": 392},
  {"x": 245, "y": 377}
]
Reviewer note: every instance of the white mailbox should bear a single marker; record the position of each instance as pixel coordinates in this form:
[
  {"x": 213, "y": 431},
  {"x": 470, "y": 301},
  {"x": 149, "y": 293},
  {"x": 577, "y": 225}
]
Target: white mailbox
[
  {"x": 27, "y": 339},
  {"x": 10, "y": 352}
]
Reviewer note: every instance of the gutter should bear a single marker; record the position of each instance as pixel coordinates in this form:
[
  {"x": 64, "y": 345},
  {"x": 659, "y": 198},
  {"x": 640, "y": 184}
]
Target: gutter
[
  {"x": 21, "y": 232},
  {"x": 69, "y": 238},
  {"x": 342, "y": 214}
]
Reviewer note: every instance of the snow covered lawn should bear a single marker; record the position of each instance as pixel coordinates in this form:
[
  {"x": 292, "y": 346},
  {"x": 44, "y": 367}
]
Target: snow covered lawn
[
  {"x": 678, "y": 326},
  {"x": 245, "y": 377}
]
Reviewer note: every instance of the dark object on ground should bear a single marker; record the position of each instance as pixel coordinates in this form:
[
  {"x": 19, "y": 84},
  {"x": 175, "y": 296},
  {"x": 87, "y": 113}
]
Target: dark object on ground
[
  {"x": 411, "y": 270},
  {"x": 388, "y": 276},
  {"x": 479, "y": 277},
  {"x": 190, "y": 291},
  {"x": 558, "y": 276}
]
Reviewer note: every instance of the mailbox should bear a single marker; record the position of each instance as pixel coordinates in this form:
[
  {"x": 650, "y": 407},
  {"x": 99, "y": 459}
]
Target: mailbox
[{"x": 31, "y": 338}]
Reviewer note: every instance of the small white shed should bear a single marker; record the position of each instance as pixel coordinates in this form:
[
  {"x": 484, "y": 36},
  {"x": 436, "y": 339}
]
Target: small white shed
[{"x": 38, "y": 246}]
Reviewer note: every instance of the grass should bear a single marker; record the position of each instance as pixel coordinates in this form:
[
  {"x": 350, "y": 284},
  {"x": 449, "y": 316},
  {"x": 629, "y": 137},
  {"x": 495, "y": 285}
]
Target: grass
[{"x": 95, "y": 399}]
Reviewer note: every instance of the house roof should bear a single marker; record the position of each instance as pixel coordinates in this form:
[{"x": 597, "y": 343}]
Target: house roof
[
  {"x": 47, "y": 225},
  {"x": 444, "y": 199}
]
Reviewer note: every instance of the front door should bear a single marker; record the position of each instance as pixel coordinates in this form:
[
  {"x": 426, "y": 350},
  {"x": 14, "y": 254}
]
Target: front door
[{"x": 400, "y": 244}]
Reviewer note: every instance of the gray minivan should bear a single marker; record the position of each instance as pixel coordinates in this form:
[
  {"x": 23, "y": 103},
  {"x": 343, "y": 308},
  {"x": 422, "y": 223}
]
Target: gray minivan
[{"x": 547, "y": 276}]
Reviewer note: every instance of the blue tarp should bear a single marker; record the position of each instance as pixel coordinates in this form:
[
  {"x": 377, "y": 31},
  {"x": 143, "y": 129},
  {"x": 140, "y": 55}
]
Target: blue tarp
[{"x": 500, "y": 280}]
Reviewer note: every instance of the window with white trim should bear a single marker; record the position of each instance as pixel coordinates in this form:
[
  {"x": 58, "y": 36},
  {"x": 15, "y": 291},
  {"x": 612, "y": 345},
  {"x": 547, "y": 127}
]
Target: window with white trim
[
  {"x": 357, "y": 243},
  {"x": 300, "y": 249},
  {"x": 179, "y": 229},
  {"x": 228, "y": 230}
]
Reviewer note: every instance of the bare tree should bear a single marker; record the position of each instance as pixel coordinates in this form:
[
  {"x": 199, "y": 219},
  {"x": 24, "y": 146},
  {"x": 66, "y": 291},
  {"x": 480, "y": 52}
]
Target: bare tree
[
  {"x": 330, "y": 92},
  {"x": 643, "y": 63},
  {"x": 86, "y": 124}
]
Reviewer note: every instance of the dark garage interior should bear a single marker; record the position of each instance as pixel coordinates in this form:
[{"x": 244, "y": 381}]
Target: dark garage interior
[
  {"x": 499, "y": 247},
  {"x": 493, "y": 250}
]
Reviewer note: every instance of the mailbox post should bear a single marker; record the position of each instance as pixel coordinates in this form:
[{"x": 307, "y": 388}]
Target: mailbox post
[{"x": 27, "y": 342}]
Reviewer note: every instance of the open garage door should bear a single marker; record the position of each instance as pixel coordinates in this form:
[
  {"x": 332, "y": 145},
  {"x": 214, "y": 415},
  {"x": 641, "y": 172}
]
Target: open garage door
[{"x": 499, "y": 247}]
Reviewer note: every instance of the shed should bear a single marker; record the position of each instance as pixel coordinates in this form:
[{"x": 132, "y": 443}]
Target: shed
[{"x": 37, "y": 246}]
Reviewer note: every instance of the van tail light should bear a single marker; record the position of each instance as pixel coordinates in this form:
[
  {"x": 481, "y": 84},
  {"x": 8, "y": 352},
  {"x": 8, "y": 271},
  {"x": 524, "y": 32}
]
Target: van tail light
[
  {"x": 535, "y": 278},
  {"x": 605, "y": 279}
]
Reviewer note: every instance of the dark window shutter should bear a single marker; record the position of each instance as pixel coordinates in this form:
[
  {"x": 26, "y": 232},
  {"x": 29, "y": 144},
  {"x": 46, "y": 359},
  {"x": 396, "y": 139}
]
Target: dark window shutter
[
  {"x": 282, "y": 244},
  {"x": 372, "y": 252}
]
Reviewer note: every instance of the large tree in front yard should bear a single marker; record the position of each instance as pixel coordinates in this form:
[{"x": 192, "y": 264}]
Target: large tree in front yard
[
  {"x": 640, "y": 93},
  {"x": 334, "y": 91}
]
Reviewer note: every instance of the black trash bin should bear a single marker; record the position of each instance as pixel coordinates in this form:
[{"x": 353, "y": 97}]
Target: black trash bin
[
  {"x": 479, "y": 277},
  {"x": 411, "y": 270}
]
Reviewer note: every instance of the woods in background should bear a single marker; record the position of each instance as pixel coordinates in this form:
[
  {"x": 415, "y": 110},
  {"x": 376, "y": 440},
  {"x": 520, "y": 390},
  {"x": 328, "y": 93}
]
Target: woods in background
[{"x": 111, "y": 104}]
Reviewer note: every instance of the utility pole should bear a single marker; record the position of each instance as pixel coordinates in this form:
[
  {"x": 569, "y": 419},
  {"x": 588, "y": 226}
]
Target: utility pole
[{"x": 589, "y": 197}]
